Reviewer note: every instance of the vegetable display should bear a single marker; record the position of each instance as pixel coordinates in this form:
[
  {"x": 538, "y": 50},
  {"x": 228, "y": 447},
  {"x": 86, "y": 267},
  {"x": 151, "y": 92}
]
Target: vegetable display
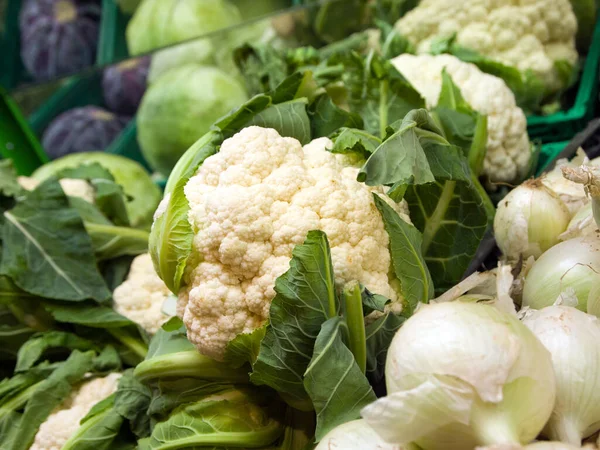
[{"x": 304, "y": 280}]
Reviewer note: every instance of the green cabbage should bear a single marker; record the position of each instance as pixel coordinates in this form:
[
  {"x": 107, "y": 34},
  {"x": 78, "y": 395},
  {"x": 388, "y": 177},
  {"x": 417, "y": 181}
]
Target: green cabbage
[
  {"x": 136, "y": 182},
  {"x": 159, "y": 23},
  {"x": 180, "y": 107}
]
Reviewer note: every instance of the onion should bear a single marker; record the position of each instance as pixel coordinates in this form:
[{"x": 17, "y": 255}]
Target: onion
[
  {"x": 572, "y": 337},
  {"x": 460, "y": 375},
  {"x": 529, "y": 220},
  {"x": 570, "y": 264},
  {"x": 356, "y": 435}
]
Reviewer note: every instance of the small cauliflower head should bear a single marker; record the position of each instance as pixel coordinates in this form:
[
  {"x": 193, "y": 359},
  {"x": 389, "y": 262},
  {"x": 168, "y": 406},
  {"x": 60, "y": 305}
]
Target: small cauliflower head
[
  {"x": 526, "y": 34},
  {"x": 250, "y": 205},
  {"x": 72, "y": 187},
  {"x": 63, "y": 422},
  {"x": 141, "y": 296},
  {"x": 508, "y": 153}
]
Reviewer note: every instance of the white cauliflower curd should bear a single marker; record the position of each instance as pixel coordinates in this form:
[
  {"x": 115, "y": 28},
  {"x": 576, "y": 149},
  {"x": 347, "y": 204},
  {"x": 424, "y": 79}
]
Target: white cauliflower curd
[
  {"x": 64, "y": 421},
  {"x": 526, "y": 34},
  {"x": 250, "y": 205},
  {"x": 141, "y": 296},
  {"x": 508, "y": 152}
]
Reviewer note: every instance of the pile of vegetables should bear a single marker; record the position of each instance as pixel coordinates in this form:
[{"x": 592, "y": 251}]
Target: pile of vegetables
[{"x": 300, "y": 283}]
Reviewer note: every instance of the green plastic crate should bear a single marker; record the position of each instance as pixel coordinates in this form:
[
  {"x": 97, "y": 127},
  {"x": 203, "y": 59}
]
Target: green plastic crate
[
  {"x": 563, "y": 125},
  {"x": 548, "y": 153}
]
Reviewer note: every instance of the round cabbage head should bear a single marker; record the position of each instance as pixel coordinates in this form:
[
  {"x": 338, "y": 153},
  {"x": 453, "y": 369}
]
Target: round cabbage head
[
  {"x": 180, "y": 107},
  {"x": 143, "y": 194}
]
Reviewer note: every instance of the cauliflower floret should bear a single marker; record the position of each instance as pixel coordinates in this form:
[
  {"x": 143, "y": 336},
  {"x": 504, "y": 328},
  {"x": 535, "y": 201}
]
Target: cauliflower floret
[
  {"x": 508, "y": 149},
  {"x": 250, "y": 205},
  {"x": 72, "y": 187},
  {"x": 141, "y": 296},
  {"x": 524, "y": 34},
  {"x": 63, "y": 422}
]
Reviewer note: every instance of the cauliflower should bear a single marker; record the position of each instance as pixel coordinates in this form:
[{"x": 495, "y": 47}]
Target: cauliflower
[
  {"x": 141, "y": 296},
  {"x": 508, "y": 149},
  {"x": 72, "y": 187},
  {"x": 250, "y": 205},
  {"x": 526, "y": 34},
  {"x": 63, "y": 422}
]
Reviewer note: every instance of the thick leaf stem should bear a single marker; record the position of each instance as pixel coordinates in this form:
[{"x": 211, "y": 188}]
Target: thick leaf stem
[
  {"x": 353, "y": 310},
  {"x": 133, "y": 344},
  {"x": 189, "y": 364},
  {"x": 383, "y": 107},
  {"x": 435, "y": 221}
]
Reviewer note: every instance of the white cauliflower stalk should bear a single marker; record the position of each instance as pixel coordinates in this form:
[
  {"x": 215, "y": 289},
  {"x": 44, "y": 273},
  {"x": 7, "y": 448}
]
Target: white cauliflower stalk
[
  {"x": 508, "y": 153},
  {"x": 63, "y": 422},
  {"x": 526, "y": 34},
  {"x": 142, "y": 295},
  {"x": 250, "y": 205},
  {"x": 72, "y": 187}
]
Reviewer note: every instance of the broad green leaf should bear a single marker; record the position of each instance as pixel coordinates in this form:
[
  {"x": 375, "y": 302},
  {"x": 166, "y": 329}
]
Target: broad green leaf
[
  {"x": 399, "y": 159},
  {"x": 407, "y": 257},
  {"x": 171, "y": 338},
  {"x": 453, "y": 217},
  {"x": 392, "y": 10},
  {"x": 327, "y": 118},
  {"x": 98, "y": 428},
  {"x": 376, "y": 91},
  {"x": 244, "y": 348},
  {"x": 132, "y": 400},
  {"x": 115, "y": 271},
  {"x": 237, "y": 119},
  {"x": 11, "y": 387},
  {"x": 47, "y": 251},
  {"x": 353, "y": 140},
  {"x": 171, "y": 235},
  {"x": 109, "y": 196},
  {"x": 237, "y": 417},
  {"x": 48, "y": 395},
  {"x": 334, "y": 382},
  {"x": 263, "y": 67},
  {"x": 333, "y": 21},
  {"x": 379, "y": 335},
  {"x": 10, "y": 292},
  {"x": 33, "y": 349},
  {"x": 290, "y": 119},
  {"x": 110, "y": 241},
  {"x": 90, "y": 315},
  {"x": 169, "y": 393},
  {"x": 9, "y": 186},
  {"x": 373, "y": 302},
  {"x": 305, "y": 298}
]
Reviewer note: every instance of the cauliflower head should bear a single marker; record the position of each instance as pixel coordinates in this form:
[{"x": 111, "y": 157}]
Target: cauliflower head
[
  {"x": 508, "y": 153},
  {"x": 72, "y": 187},
  {"x": 526, "y": 34},
  {"x": 63, "y": 422},
  {"x": 250, "y": 205},
  {"x": 141, "y": 296}
]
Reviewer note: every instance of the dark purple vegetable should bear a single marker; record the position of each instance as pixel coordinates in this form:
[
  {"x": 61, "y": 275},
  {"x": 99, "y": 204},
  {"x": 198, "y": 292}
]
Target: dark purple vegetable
[
  {"x": 84, "y": 129},
  {"x": 124, "y": 84},
  {"x": 59, "y": 37}
]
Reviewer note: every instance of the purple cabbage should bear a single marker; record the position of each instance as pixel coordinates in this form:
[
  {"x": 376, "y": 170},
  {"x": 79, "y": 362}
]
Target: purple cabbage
[
  {"x": 124, "y": 84},
  {"x": 59, "y": 37},
  {"x": 84, "y": 129}
]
